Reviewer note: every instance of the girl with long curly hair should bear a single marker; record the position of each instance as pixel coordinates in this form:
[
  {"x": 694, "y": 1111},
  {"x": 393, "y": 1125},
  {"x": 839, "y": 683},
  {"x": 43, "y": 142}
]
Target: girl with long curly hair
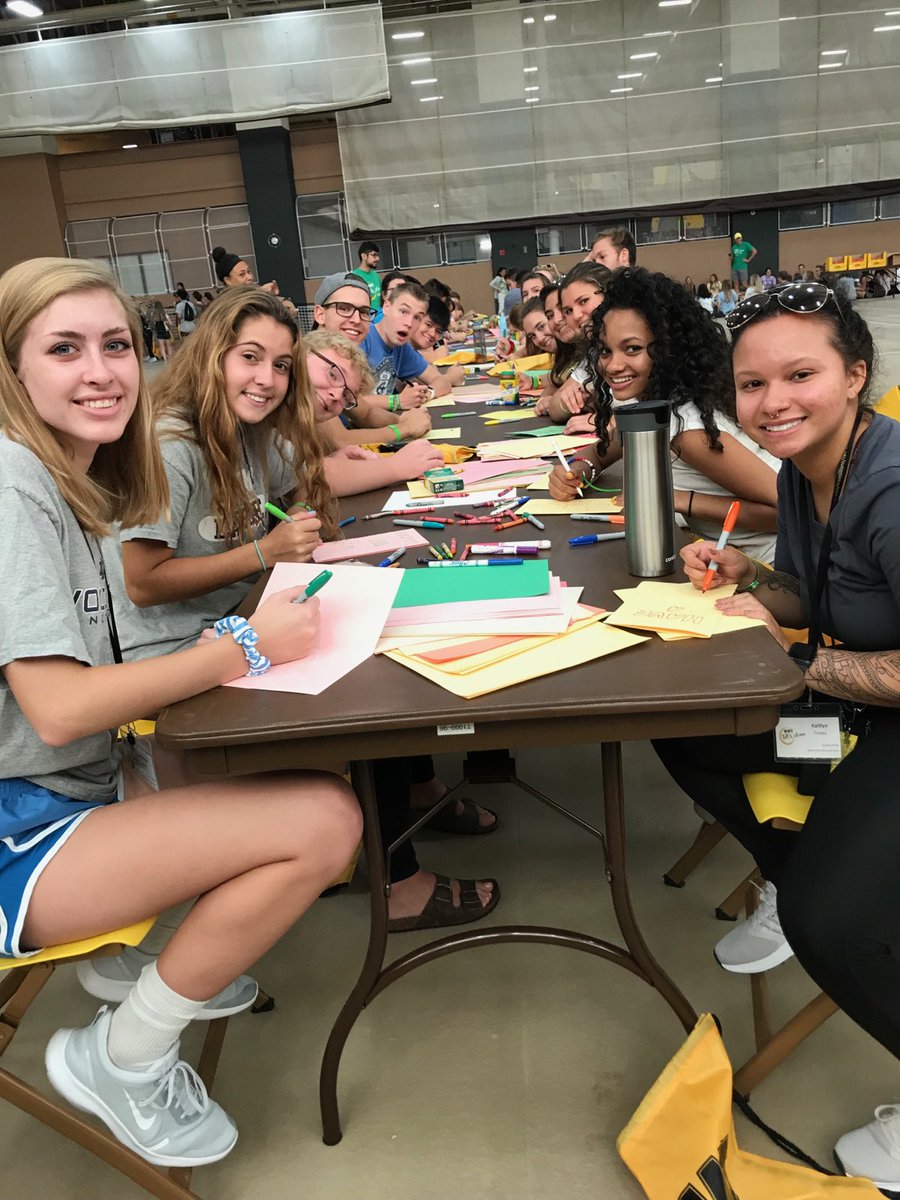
[
  {"x": 650, "y": 340},
  {"x": 237, "y": 427}
]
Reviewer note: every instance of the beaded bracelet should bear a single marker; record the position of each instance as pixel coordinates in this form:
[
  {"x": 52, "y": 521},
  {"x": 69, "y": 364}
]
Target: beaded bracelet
[
  {"x": 587, "y": 463},
  {"x": 246, "y": 637},
  {"x": 262, "y": 561},
  {"x": 395, "y": 430}
]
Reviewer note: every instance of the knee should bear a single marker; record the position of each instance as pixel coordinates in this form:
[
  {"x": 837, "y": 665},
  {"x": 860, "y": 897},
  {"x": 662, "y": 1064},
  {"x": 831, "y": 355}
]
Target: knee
[{"x": 337, "y": 824}]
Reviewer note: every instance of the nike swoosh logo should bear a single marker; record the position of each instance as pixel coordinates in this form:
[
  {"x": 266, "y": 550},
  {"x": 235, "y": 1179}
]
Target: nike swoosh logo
[{"x": 142, "y": 1122}]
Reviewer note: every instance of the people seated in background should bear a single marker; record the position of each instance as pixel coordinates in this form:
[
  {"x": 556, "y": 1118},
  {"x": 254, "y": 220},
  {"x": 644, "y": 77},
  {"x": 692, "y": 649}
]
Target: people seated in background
[
  {"x": 800, "y": 273},
  {"x": 767, "y": 279},
  {"x": 754, "y": 287},
  {"x": 649, "y": 340},
  {"x": 460, "y": 323},
  {"x": 689, "y": 285},
  {"x": 428, "y": 338},
  {"x": 714, "y": 284},
  {"x": 613, "y": 248},
  {"x": 846, "y": 288},
  {"x": 864, "y": 286},
  {"x": 550, "y": 271},
  {"x": 785, "y": 277},
  {"x": 531, "y": 284},
  {"x": 704, "y": 299},
  {"x": 539, "y": 338},
  {"x": 392, "y": 280},
  {"x": 514, "y": 292},
  {"x": 726, "y": 298}
]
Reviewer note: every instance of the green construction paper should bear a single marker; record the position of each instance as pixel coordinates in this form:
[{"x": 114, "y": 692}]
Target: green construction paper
[
  {"x": 448, "y": 585},
  {"x": 547, "y": 431}
]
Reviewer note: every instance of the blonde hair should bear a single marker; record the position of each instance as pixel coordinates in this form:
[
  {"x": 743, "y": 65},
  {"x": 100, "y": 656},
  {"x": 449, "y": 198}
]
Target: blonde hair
[
  {"x": 192, "y": 389},
  {"x": 324, "y": 339},
  {"x": 126, "y": 481}
]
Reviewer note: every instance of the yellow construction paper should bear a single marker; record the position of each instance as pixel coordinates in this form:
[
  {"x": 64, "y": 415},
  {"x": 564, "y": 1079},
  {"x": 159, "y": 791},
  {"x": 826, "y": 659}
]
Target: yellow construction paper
[
  {"x": 677, "y": 608},
  {"x": 437, "y": 435},
  {"x": 563, "y": 507},
  {"x": 455, "y": 356},
  {"x": 535, "y": 362},
  {"x": 500, "y": 416},
  {"x": 537, "y": 447},
  {"x": 541, "y": 484},
  {"x": 570, "y": 650},
  {"x": 728, "y": 624},
  {"x": 440, "y": 402}
]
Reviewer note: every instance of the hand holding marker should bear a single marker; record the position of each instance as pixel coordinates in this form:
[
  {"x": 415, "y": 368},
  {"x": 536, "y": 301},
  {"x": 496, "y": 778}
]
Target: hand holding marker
[
  {"x": 565, "y": 467},
  {"x": 314, "y": 586},
  {"x": 727, "y": 528}
]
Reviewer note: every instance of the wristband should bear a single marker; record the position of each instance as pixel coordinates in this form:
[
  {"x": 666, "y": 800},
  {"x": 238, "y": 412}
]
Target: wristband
[
  {"x": 587, "y": 463},
  {"x": 755, "y": 581},
  {"x": 246, "y": 637},
  {"x": 393, "y": 402},
  {"x": 690, "y": 505},
  {"x": 262, "y": 561},
  {"x": 395, "y": 430}
]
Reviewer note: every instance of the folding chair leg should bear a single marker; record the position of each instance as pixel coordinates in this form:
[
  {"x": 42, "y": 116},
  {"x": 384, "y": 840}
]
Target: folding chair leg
[
  {"x": 783, "y": 1043},
  {"x": 735, "y": 901},
  {"x": 708, "y": 837}
]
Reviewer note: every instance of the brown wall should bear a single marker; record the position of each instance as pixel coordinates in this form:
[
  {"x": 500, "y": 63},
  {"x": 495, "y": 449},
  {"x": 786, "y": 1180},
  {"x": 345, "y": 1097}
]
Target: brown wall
[
  {"x": 317, "y": 161},
  {"x": 812, "y": 246},
  {"x": 32, "y": 205}
]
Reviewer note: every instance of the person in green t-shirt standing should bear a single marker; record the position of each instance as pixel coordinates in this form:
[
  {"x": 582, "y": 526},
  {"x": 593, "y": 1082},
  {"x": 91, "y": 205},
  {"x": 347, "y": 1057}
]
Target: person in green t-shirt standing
[
  {"x": 369, "y": 257},
  {"x": 741, "y": 254}
]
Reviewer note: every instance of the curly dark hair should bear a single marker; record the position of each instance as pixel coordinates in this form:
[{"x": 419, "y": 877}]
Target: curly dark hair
[
  {"x": 848, "y": 333},
  {"x": 691, "y": 358}
]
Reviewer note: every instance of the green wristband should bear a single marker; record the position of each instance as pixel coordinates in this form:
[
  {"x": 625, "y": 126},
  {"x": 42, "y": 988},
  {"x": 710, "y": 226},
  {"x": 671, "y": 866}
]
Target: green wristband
[
  {"x": 393, "y": 402},
  {"x": 395, "y": 430},
  {"x": 262, "y": 561}
]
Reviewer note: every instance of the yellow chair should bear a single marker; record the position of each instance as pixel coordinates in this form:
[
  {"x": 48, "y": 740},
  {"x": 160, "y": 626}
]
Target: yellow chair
[
  {"x": 21, "y": 981},
  {"x": 775, "y": 798},
  {"x": 889, "y": 404}
]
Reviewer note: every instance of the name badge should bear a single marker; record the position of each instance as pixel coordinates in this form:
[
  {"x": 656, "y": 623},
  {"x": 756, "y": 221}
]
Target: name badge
[{"x": 808, "y": 733}]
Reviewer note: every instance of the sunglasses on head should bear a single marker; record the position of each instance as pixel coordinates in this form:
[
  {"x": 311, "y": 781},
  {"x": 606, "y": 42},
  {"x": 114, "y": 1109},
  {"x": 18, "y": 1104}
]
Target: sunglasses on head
[{"x": 792, "y": 297}]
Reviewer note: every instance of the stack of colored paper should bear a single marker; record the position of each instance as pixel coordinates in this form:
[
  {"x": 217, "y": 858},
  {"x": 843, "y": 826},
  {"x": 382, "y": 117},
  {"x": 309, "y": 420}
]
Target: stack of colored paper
[
  {"x": 376, "y": 543},
  {"x": 487, "y": 476},
  {"x": 537, "y": 447},
  {"x": 676, "y": 611}
]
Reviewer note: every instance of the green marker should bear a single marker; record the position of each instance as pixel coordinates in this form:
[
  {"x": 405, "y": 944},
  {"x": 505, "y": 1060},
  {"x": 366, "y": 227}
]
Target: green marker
[
  {"x": 315, "y": 585},
  {"x": 276, "y": 511}
]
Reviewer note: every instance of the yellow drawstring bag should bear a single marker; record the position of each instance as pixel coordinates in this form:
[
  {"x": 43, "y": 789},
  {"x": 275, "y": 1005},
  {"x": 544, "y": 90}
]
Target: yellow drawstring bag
[{"x": 680, "y": 1144}]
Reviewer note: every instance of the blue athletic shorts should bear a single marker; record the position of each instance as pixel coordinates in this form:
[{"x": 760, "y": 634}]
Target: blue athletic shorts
[{"x": 34, "y": 823}]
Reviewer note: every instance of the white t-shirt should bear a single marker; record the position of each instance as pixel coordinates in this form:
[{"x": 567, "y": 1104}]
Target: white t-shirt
[
  {"x": 183, "y": 325},
  {"x": 706, "y": 302},
  {"x": 757, "y": 543}
]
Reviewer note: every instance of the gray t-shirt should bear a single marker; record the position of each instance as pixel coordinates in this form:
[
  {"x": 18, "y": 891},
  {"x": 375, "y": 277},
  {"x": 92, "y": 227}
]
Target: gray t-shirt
[
  {"x": 53, "y": 602},
  {"x": 861, "y": 606},
  {"x": 192, "y": 531}
]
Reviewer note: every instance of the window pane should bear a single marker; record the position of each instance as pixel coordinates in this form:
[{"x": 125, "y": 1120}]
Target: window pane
[
  {"x": 848, "y": 212},
  {"x": 88, "y": 239},
  {"x": 422, "y": 251},
  {"x": 385, "y": 249},
  {"x": 229, "y": 226},
  {"x": 184, "y": 242},
  {"x": 320, "y": 225},
  {"x": 562, "y": 239},
  {"x": 804, "y": 216},
  {"x": 657, "y": 229},
  {"x": 324, "y": 260},
  {"x": 142, "y": 274},
  {"x": 889, "y": 207},
  {"x": 593, "y": 228},
  {"x": 463, "y": 248},
  {"x": 705, "y": 225}
]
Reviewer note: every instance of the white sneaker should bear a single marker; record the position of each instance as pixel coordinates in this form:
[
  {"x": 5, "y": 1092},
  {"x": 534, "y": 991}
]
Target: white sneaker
[
  {"x": 162, "y": 1112},
  {"x": 873, "y": 1152},
  {"x": 112, "y": 978},
  {"x": 756, "y": 944}
]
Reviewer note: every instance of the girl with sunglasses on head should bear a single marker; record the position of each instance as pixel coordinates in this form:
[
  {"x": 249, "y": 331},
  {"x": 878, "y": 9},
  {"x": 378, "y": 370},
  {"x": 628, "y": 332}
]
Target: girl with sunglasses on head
[
  {"x": 650, "y": 340},
  {"x": 78, "y": 452},
  {"x": 803, "y": 363}
]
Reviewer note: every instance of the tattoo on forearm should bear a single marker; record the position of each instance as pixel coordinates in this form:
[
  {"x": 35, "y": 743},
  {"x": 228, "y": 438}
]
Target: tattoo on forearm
[
  {"x": 778, "y": 581},
  {"x": 872, "y": 678}
]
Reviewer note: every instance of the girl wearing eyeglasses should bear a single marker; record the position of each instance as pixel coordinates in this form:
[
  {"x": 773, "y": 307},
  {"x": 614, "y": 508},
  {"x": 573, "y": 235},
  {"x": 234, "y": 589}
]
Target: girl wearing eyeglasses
[
  {"x": 650, "y": 340},
  {"x": 802, "y": 367},
  {"x": 236, "y": 426}
]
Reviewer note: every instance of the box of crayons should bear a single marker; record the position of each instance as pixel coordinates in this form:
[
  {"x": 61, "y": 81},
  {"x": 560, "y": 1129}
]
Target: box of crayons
[{"x": 442, "y": 479}]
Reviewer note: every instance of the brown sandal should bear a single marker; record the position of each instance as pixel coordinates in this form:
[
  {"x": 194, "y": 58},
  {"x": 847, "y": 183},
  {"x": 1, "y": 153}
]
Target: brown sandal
[
  {"x": 440, "y": 912},
  {"x": 448, "y": 820}
]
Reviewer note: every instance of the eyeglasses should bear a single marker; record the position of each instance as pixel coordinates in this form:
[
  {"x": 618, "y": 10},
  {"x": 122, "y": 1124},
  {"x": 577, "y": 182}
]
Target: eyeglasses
[
  {"x": 347, "y": 310},
  {"x": 793, "y": 297},
  {"x": 337, "y": 378}
]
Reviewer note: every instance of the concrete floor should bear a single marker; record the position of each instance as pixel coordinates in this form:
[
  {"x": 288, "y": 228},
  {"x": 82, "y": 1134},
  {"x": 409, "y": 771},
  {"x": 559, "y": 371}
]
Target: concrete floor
[{"x": 507, "y": 1072}]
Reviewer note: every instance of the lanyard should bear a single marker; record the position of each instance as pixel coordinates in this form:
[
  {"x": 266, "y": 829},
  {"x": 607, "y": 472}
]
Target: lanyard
[
  {"x": 110, "y": 615},
  {"x": 817, "y": 577}
]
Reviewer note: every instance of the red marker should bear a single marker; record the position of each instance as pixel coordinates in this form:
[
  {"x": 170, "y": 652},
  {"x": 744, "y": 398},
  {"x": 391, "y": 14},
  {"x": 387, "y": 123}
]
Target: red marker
[{"x": 727, "y": 527}]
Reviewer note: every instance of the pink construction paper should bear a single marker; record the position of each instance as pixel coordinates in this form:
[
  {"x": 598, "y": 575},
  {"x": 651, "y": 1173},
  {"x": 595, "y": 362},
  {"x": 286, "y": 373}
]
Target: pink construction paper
[
  {"x": 376, "y": 543},
  {"x": 354, "y": 603},
  {"x": 475, "y": 472},
  {"x": 480, "y": 610}
]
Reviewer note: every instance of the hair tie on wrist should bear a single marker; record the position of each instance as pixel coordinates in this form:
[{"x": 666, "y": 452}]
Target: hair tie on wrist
[
  {"x": 262, "y": 561},
  {"x": 690, "y": 505},
  {"x": 247, "y": 638}
]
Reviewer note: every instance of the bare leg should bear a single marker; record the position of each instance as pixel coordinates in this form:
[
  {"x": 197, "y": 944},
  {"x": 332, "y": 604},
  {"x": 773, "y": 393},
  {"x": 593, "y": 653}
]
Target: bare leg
[{"x": 257, "y": 851}]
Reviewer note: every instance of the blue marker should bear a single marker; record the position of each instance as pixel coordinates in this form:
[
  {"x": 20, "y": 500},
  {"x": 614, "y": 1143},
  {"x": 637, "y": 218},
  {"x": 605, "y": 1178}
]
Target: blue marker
[
  {"x": 591, "y": 538},
  {"x": 392, "y": 558}
]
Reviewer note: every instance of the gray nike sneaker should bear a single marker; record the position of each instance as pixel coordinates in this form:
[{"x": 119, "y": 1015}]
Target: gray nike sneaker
[
  {"x": 111, "y": 978},
  {"x": 162, "y": 1111}
]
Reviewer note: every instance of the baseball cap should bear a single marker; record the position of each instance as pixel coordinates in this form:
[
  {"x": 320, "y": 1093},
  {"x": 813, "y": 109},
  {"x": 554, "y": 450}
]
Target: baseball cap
[
  {"x": 331, "y": 283},
  {"x": 739, "y": 235}
]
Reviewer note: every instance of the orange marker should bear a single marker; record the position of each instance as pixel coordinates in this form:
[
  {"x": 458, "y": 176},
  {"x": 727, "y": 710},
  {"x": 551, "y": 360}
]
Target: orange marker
[{"x": 727, "y": 526}]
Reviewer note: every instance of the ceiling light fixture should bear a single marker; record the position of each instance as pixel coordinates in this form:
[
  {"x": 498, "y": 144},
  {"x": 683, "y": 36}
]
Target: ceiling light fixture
[
  {"x": 631, "y": 75},
  {"x": 626, "y": 89},
  {"x": 425, "y": 99},
  {"x": 660, "y": 33},
  {"x": 528, "y": 21},
  {"x": 824, "y": 53},
  {"x": 877, "y": 29},
  {"x": 419, "y": 82},
  {"x": 130, "y": 146},
  {"x": 527, "y": 70},
  {"x": 25, "y": 9},
  {"x": 532, "y": 99},
  {"x": 714, "y": 79},
  {"x": 827, "y": 66},
  {"x": 407, "y": 37},
  {"x": 550, "y": 17},
  {"x": 536, "y": 88},
  {"x": 648, "y": 54},
  {"x": 674, "y": 3},
  {"x": 415, "y": 62}
]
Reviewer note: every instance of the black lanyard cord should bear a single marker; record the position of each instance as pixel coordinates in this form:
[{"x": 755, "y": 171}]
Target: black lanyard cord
[{"x": 110, "y": 614}]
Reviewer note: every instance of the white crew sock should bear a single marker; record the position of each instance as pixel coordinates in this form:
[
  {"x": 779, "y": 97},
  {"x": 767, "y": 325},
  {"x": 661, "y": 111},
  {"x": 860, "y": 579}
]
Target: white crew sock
[{"x": 146, "y": 1025}]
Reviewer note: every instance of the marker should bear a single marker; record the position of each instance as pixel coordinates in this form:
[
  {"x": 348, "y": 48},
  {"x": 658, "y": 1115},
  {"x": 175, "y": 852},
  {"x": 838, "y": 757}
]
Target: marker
[
  {"x": 276, "y": 511},
  {"x": 565, "y": 467},
  {"x": 372, "y": 516},
  {"x": 417, "y": 524},
  {"x": 483, "y": 562},
  {"x": 346, "y": 521},
  {"x": 609, "y": 519},
  {"x": 314, "y": 586},
  {"x": 534, "y": 521},
  {"x": 501, "y": 404},
  {"x": 508, "y": 548},
  {"x": 590, "y": 538},
  {"x": 502, "y": 547},
  {"x": 392, "y": 558},
  {"x": 451, "y": 416},
  {"x": 727, "y": 526},
  {"x": 423, "y": 562}
]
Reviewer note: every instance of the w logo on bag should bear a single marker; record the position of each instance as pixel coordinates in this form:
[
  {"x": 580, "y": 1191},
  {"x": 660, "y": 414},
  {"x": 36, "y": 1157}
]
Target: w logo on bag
[{"x": 712, "y": 1177}]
